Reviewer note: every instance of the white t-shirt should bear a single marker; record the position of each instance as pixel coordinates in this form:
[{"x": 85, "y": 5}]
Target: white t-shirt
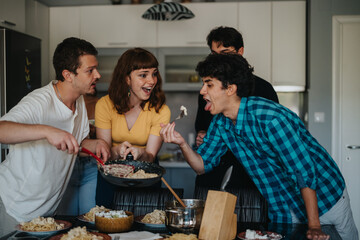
[{"x": 35, "y": 174}]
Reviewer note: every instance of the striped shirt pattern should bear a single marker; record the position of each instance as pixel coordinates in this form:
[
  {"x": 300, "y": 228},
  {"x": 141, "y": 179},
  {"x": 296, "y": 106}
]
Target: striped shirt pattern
[{"x": 279, "y": 154}]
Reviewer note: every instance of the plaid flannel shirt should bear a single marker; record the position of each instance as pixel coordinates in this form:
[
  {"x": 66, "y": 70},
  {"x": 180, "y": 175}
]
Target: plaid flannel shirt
[{"x": 279, "y": 154}]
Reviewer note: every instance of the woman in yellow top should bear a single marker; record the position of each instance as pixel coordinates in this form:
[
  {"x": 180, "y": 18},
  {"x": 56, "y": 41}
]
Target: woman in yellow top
[{"x": 129, "y": 117}]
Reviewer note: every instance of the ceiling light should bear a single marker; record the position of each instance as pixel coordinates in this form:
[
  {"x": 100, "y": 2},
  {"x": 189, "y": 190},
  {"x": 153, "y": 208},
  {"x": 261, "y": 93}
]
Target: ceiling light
[{"x": 168, "y": 11}]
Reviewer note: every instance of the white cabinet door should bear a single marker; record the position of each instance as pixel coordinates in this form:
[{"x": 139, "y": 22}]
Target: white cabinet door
[
  {"x": 64, "y": 23},
  {"x": 12, "y": 14},
  {"x": 255, "y": 27},
  {"x": 193, "y": 32},
  {"x": 117, "y": 26},
  {"x": 288, "y": 43}
]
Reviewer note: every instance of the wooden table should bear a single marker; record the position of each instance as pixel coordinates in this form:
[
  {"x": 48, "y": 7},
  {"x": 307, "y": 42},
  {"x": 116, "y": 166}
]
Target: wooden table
[{"x": 288, "y": 231}]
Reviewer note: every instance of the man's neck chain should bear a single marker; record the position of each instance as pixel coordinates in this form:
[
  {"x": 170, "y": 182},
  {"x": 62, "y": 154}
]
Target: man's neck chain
[{"x": 58, "y": 93}]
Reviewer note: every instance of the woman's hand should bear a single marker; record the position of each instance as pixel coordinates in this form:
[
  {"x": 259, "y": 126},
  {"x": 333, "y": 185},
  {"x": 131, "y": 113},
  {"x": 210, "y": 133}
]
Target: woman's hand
[{"x": 123, "y": 149}]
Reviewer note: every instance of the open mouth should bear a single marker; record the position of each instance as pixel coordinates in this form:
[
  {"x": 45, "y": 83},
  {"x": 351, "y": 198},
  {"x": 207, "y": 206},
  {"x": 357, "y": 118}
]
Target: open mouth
[
  {"x": 147, "y": 89},
  {"x": 208, "y": 105}
]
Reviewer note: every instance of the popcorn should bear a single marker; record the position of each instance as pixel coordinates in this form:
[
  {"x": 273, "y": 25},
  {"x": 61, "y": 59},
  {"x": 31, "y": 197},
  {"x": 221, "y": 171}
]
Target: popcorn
[{"x": 112, "y": 214}]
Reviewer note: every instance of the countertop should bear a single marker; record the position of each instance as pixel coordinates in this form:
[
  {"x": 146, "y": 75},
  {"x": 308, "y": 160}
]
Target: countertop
[{"x": 174, "y": 164}]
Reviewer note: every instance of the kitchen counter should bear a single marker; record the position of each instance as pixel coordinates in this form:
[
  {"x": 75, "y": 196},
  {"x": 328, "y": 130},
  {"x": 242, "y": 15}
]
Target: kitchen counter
[{"x": 174, "y": 164}]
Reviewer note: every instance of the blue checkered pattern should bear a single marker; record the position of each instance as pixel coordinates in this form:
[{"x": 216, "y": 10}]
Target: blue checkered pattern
[{"x": 278, "y": 153}]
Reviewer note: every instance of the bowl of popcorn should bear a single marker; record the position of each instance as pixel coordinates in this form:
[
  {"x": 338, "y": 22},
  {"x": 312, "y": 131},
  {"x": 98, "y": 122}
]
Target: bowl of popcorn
[{"x": 113, "y": 221}]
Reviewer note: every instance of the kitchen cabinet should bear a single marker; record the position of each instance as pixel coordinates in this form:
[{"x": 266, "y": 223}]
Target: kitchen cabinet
[
  {"x": 274, "y": 41},
  {"x": 288, "y": 45},
  {"x": 117, "y": 26},
  {"x": 64, "y": 23},
  {"x": 12, "y": 14},
  {"x": 255, "y": 26},
  {"x": 177, "y": 68},
  {"x": 193, "y": 32}
]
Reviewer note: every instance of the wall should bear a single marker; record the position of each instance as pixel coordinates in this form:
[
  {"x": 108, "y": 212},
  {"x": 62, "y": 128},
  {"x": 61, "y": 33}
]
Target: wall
[
  {"x": 320, "y": 62},
  {"x": 37, "y": 24}
]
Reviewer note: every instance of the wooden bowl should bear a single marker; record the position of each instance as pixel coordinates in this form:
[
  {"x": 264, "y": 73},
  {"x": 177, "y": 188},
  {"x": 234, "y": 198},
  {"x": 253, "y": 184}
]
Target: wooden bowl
[{"x": 114, "y": 225}]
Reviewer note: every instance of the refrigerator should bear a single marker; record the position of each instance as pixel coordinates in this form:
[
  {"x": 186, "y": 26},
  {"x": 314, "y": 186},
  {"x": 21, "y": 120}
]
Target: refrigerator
[{"x": 20, "y": 69}]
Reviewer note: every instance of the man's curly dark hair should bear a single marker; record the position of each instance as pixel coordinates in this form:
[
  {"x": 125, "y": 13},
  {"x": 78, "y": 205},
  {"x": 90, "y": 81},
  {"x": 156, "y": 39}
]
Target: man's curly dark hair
[{"x": 230, "y": 69}]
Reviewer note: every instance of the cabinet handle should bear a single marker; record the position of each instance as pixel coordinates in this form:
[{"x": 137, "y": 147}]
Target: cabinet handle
[
  {"x": 8, "y": 23},
  {"x": 117, "y": 43},
  {"x": 353, "y": 147},
  {"x": 196, "y": 42}
]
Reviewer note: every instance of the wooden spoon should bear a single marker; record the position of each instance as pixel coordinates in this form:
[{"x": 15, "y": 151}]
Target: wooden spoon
[{"x": 173, "y": 192}]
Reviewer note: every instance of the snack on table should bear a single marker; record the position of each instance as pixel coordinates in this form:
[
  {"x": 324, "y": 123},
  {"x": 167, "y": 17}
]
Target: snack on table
[
  {"x": 251, "y": 234},
  {"x": 255, "y": 234},
  {"x": 182, "y": 236},
  {"x": 142, "y": 174},
  {"x": 90, "y": 216},
  {"x": 155, "y": 217},
  {"x": 80, "y": 233},
  {"x": 41, "y": 224}
]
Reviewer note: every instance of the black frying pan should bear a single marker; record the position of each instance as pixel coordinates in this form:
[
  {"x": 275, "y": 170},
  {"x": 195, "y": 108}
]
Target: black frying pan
[{"x": 134, "y": 182}]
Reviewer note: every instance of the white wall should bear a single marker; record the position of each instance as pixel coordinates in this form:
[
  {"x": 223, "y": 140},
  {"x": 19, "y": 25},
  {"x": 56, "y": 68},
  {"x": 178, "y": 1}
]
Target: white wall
[{"x": 320, "y": 61}]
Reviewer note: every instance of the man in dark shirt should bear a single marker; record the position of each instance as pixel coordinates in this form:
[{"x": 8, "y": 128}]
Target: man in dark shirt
[{"x": 227, "y": 40}]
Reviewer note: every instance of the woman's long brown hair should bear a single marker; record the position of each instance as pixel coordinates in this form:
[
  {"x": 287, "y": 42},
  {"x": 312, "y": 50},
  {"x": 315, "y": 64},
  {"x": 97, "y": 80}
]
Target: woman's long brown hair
[{"x": 134, "y": 59}]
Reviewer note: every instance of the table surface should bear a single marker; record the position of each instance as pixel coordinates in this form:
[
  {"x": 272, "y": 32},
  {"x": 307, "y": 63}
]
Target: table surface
[{"x": 288, "y": 231}]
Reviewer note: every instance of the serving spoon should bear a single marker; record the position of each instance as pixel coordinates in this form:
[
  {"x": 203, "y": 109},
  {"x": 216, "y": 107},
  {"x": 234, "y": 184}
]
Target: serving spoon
[
  {"x": 173, "y": 192},
  {"x": 84, "y": 150}
]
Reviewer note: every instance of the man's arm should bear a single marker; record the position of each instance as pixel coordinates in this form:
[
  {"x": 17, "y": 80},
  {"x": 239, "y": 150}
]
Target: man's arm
[
  {"x": 97, "y": 146},
  {"x": 312, "y": 212},
  {"x": 12, "y": 133},
  {"x": 169, "y": 135}
]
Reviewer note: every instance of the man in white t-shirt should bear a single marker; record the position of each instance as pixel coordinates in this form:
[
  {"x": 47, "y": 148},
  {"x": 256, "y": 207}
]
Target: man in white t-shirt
[{"x": 45, "y": 131}]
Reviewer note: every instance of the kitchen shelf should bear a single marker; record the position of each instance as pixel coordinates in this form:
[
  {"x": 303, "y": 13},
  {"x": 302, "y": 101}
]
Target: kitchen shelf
[{"x": 179, "y": 87}]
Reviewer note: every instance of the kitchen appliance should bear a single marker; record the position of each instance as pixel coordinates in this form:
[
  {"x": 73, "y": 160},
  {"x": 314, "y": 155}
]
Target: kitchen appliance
[
  {"x": 20, "y": 69},
  {"x": 184, "y": 220}
]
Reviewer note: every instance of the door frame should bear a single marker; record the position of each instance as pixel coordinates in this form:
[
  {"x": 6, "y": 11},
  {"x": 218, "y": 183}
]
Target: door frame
[{"x": 337, "y": 141}]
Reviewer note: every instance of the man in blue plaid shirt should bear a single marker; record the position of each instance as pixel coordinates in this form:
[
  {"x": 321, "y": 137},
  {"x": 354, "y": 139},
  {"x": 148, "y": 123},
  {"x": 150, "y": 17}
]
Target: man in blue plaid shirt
[{"x": 298, "y": 178}]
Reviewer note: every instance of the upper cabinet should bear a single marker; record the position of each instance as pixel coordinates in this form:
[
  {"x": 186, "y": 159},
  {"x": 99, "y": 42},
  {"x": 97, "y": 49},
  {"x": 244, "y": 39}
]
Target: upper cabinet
[
  {"x": 12, "y": 14},
  {"x": 193, "y": 32},
  {"x": 255, "y": 26},
  {"x": 289, "y": 45},
  {"x": 64, "y": 23},
  {"x": 117, "y": 26},
  {"x": 274, "y": 36}
]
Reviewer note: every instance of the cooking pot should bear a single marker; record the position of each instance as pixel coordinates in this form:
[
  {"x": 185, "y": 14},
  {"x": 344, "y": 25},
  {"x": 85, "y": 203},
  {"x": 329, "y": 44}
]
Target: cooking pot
[
  {"x": 134, "y": 182},
  {"x": 184, "y": 220}
]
